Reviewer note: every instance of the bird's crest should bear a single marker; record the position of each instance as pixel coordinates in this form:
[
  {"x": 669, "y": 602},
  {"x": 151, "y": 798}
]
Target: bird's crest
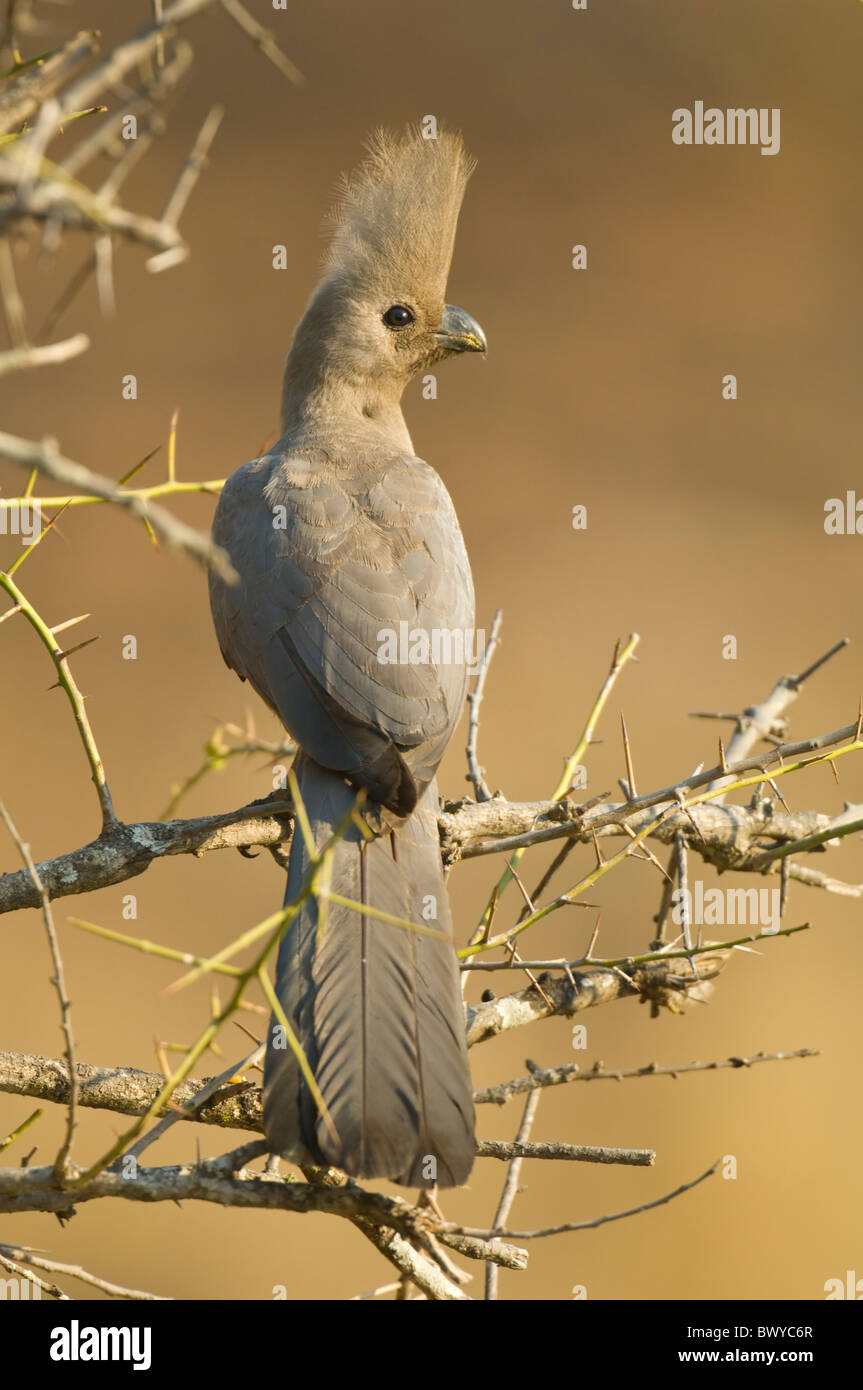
[{"x": 399, "y": 210}]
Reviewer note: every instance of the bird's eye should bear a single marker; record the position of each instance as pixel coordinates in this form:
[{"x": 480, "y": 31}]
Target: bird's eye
[{"x": 397, "y": 316}]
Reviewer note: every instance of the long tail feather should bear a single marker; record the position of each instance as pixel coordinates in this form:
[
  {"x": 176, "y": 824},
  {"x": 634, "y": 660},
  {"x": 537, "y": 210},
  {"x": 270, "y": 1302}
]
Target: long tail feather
[{"x": 376, "y": 1007}]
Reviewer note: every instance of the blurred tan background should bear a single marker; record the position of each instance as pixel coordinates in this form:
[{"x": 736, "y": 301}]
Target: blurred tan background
[{"x": 601, "y": 387}]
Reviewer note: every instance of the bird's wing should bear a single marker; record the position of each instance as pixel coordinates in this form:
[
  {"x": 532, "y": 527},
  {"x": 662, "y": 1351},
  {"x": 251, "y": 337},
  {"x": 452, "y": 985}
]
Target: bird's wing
[{"x": 332, "y": 559}]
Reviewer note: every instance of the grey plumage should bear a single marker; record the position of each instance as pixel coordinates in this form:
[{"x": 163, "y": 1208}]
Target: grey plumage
[{"x": 339, "y": 533}]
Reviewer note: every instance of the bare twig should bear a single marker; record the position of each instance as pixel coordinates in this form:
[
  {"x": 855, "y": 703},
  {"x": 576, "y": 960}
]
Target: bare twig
[
  {"x": 51, "y": 353},
  {"x": 262, "y": 39},
  {"x": 506, "y": 1150},
  {"x": 766, "y": 720},
  {"x": 474, "y": 699},
  {"x": 563, "y": 1075},
  {"x": 191, "y": 171},
  {"x": 23, "y": 1255},
  {"x": 129, "y": 54},
  {"x": 13, "y": 304},
  {"x": 44, "y": 1285},
  {"x": 597, "y": 1221},
  {"x": 61, "y": 1163},
  {"x": 510, "y": 1188},
  {"x": 45, "y": 455}
]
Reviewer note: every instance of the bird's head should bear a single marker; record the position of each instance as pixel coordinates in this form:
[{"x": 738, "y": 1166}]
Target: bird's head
[{"x": 380, "y": 315}]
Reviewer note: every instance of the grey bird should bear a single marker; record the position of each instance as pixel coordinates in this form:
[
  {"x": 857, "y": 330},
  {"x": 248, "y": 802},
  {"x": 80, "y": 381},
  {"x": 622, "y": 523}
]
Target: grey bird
[{"x": 340, "y": 536}]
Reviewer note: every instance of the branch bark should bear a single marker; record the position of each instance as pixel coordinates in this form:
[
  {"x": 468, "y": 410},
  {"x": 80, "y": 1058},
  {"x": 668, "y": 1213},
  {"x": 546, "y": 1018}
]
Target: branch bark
[
  {"x": 728, "y": 837},
  {"x": 45, "y": 455}
]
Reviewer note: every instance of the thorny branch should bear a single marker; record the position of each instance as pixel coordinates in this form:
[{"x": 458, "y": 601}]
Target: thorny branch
[
  {"x": 237, "y": 1104},
  {"x": 662, "y": 976},
  {"x": 39, "y": 102},
  {"x": 45, "y": 456},
  {"x": 666, "y": 976},
  {"x": 570, "y": 1071},
  {"x": 728, "y": 837}
]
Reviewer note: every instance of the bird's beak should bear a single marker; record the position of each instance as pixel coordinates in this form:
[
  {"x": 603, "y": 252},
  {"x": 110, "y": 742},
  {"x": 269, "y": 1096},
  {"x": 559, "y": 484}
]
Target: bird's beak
[{"x": 459, "y": 332}]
